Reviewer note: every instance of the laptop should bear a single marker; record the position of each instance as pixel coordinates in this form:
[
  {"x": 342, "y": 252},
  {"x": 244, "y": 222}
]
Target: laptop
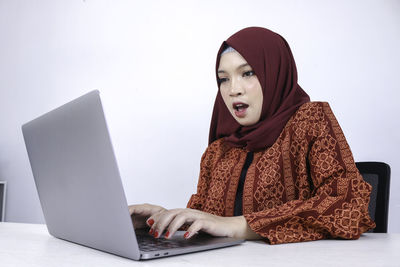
[{"x": 80, "y": 188}]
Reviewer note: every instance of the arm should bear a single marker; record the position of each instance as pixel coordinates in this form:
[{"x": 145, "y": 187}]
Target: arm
[
  {"x": 196, "y": 219},
  {"x": 338, "y": 206},
  {"x": 169, "y": 221},
  {"x": 144, "y": 215},
  {"x": 196, "y": 200}
]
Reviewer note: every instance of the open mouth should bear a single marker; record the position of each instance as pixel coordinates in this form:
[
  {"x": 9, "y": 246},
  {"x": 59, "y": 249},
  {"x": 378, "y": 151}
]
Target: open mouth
[
  {"x": 239, "y": 106},
  {"x": 240, "y": 109}
]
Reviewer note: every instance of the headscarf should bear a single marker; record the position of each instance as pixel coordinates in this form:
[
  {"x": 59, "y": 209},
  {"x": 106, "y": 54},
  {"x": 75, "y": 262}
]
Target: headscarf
[{"x": 271, "y": 59}]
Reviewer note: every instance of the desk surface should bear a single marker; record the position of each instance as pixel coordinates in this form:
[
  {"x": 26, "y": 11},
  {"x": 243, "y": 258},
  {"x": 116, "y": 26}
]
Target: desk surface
[{"x": 31, "y": 245}]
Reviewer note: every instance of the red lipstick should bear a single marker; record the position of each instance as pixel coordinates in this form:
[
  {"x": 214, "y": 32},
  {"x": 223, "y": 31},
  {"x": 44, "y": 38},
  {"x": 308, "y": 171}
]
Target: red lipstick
[{"x": 240, "y": 109}]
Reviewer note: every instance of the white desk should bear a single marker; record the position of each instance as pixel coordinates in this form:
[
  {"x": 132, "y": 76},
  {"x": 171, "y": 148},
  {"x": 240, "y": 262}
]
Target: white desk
[{"x": 31, "y": 245}]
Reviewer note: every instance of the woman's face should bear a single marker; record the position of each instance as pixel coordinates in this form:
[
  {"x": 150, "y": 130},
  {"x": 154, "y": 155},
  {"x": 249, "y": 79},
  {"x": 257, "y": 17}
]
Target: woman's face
[{"x": 240, "y": 88}]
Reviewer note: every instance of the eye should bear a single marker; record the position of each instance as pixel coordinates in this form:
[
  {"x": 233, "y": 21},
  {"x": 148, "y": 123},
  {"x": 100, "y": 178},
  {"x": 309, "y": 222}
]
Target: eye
[
  {"x": 222, "y": 80},
  {"x": 248, "y": 73}
]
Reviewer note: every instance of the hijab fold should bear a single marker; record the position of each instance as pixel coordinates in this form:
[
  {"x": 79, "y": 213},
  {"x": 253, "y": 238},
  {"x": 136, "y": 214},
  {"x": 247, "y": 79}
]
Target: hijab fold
[{"x": 270, "y": 56}]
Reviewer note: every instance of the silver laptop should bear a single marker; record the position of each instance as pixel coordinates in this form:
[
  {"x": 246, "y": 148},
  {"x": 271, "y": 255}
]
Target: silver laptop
[{"x": 80, "y": 188}]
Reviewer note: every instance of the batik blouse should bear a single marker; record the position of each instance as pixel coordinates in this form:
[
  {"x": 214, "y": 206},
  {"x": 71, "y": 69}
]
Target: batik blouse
[{"x": 304, "y": 187}]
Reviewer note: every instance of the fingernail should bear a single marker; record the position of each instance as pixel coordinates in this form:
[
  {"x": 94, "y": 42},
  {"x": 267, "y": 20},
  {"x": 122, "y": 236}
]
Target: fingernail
[
  {"x": 151, "y": 231},
  {"x": 186, "y": 235},
  {"x": 150, "y": 222},
  {"x": 167, "y": 234},
  {"x": 156, "y": 234}
]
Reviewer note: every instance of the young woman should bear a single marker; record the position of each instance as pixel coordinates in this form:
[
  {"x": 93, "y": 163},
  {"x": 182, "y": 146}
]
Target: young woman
[{"x": 278, "y": 166}]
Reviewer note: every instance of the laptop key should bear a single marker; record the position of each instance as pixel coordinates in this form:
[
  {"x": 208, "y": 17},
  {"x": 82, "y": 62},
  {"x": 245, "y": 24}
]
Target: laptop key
[{"x": 149, "y": 243}]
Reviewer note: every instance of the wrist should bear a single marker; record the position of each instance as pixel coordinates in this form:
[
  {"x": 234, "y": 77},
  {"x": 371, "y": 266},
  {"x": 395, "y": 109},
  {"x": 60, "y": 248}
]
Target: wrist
[
  {"x": 238, "y": 226},
  {"x": 241, "y": 229}
]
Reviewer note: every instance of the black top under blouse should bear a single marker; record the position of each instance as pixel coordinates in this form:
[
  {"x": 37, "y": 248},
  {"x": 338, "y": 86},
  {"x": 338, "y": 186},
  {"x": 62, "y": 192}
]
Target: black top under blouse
[{"x": 239, "y": 192}]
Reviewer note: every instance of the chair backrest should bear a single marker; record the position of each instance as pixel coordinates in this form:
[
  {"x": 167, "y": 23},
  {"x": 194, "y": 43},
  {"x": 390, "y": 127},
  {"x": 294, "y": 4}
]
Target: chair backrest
[{"x": 377, "y": 174}]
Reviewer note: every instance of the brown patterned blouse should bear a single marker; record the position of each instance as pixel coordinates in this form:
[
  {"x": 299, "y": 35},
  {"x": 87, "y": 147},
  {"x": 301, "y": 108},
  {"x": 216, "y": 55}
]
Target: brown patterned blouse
[{"x": 304, "y": 187}]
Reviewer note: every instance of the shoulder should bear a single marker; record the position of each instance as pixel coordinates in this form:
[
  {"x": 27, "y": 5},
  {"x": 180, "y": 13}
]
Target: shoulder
[
  {"x": 220, "y": 149},
  {"x": 313, "y": 112},
  {"x": 216, "y": 145},
  {"x": 315, "y": 108},
  {"x": 214, "y": 149},
  {"x": 313, "y": 118}
]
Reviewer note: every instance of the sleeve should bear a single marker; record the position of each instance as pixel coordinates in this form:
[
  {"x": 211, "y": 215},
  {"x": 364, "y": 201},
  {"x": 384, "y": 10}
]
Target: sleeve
[
  {"x": 338, "y": 206},
  {"x": 197, "y": 200}
]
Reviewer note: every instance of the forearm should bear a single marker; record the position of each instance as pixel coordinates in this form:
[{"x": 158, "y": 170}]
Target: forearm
[{"x": 241, "y": 228}]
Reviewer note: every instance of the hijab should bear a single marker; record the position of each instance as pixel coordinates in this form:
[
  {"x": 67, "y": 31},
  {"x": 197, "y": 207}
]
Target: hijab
[{"x": 271, "y": 59}]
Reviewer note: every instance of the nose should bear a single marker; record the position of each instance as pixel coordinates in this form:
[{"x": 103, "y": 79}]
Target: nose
[{"x": 236, "y": 88}]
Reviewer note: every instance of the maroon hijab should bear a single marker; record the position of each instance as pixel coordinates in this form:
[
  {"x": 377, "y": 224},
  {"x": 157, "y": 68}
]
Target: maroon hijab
[{"x": 270, "y": 56}]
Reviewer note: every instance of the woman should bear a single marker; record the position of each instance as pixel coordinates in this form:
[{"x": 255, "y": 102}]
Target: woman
[{"x": 278, "y": 166}]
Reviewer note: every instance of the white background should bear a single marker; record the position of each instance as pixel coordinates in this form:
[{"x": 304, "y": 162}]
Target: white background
[{"x": 153, "y": 62}]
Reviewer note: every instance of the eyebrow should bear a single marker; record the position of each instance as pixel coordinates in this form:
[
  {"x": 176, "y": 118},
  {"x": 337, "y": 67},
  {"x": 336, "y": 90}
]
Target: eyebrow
[{"x": 241, "y": 66}]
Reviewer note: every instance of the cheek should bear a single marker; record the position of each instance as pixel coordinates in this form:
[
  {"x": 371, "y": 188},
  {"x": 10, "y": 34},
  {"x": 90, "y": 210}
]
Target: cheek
[
  {"x": 257, "y": 95},
  {"x": 224, "y": 95}
]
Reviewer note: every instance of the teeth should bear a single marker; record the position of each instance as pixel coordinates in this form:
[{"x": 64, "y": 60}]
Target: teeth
[{"x": 239, "y": 105}]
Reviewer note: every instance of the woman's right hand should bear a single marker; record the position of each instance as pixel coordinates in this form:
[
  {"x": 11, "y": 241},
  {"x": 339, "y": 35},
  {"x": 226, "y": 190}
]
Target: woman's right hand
[{"x": 141, "y": 212}]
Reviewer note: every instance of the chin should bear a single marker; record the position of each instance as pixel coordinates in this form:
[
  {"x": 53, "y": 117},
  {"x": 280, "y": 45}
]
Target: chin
[{"x": 245, "y": 122}]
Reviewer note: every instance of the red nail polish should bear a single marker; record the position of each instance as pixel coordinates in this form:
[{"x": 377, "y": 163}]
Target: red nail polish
[
  {"x": 150, "y": 222},
  {"x": 167, "y": 234},
  {"x": 186, "y": 235},
  {"x": 156, "y": 234},
  {"x": 151, "y": 231}
]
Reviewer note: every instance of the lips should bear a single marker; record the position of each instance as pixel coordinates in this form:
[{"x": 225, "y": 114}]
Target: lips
[{"x": 240, "y": 109}]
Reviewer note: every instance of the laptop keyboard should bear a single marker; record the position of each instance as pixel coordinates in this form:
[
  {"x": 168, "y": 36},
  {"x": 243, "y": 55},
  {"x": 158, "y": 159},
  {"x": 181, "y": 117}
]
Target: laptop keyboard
[{"x": 149, "y": 243}]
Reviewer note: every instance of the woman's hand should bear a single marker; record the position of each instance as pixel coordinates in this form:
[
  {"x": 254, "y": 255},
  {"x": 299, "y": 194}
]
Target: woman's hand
[
  {"x": 140, "y": 213},
  {"x": 172, "y": 220}
]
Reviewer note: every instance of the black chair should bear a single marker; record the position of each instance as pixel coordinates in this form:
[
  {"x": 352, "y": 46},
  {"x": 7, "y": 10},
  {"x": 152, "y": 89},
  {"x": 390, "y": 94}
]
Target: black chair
[{"x": 377, "y": 174}]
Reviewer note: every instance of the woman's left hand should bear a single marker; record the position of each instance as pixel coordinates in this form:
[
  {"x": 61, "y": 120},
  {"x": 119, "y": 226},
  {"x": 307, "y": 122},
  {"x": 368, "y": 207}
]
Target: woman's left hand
[{"x": 172, "y": 220}]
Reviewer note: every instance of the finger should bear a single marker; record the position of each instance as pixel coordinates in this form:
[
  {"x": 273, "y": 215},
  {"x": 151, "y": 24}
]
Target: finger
[
  {"x": 196, "y": 226},
  {"x": 151, "y": 222},
  {"x": 145, "y": 209},
  {"x": 140, "y": 215},
  {"x": 131, "y": 209},
  {"x": 162, "y": 220},
  {"x": 152, "y": 208},
  {"x": 138, "y": 209},
  {"x": 153, "y": 218},
  {"x": 180, "y": 220}
]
